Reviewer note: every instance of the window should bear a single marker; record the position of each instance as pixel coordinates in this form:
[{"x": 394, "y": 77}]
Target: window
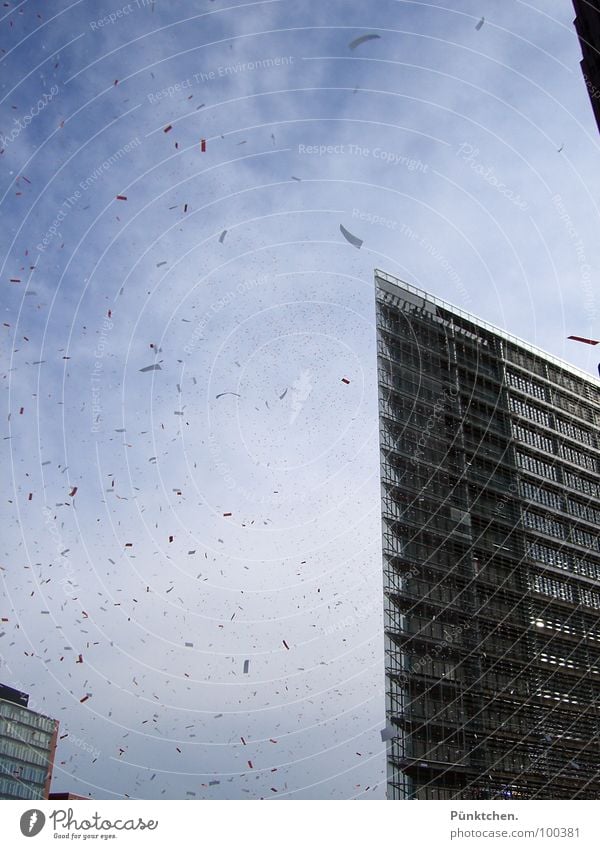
[
  {"x": 541, "y": 496},
  {"x": 551, "y": 587},
  {"x": 574, "y": 432},
  {"x": 578, "y": 457},
  {"x": 531, "y": 437},
  {"x": 544, "y": 524},
  {"x": 528, "y": 411},
  {"x": 529, "y": 387},
  {"x": 537, "y": 467}
]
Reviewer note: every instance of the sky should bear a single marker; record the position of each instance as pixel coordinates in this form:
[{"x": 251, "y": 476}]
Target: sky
[{"x": 191, "y": 575}]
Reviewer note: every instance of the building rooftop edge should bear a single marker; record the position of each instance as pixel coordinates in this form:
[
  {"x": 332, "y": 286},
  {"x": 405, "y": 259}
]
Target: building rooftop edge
[
  {"x": 29, "y": 710},
  {"x": 486, "y": 325}
]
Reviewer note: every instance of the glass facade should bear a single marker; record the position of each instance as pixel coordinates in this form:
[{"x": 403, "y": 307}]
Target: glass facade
[
  {"x": 490, "y": 477},
  {"x": 27, "y": 741}
]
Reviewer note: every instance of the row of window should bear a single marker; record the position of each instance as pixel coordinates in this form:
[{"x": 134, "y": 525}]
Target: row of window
[
  {"x": 529, "y": 411},
  {"x": 542, "y": 496},
  {"x": 553, "y": 588},
  {"x": 27, "y": 717},
  {"x": 543, "y": 524},
  {"x": 528, "y": 387},
  {"x": 22, "y": 751},
  {"x": 581, "y": 484},
  {"x": 14, "y": 789},
  {"x": 536, "y": 466},
  {"x": 574, "y": 432},
  {"x": 532, "y": 437},
  {"x": 578, "y": 457},
  {"x": 23, "y": 772},
  {"x": 550, "y": 587},
  {"x": 563, "y": 560}
]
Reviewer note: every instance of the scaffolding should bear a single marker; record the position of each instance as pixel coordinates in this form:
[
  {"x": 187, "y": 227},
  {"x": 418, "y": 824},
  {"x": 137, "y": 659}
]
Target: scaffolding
[{"x": 490, "y": 461}]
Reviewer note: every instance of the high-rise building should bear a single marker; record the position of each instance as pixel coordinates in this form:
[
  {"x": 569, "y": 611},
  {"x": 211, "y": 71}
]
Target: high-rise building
[
  {"x": 587, "y": 24},
  {"x": 27, "y": 746},
  {"x": 490, "y": 462}
]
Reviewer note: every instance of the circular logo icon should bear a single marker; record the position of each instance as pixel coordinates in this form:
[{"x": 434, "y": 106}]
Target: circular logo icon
[{"x": 32, "y": 822}]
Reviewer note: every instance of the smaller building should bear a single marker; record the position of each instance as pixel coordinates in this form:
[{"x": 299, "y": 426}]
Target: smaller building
[
  {"x": 64, "y": 797},
  {"x": 27, "y": 746}
]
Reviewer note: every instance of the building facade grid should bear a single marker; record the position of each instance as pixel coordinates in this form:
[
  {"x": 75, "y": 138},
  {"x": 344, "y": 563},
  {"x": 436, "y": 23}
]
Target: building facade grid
[{"x": 490, "y": 475}]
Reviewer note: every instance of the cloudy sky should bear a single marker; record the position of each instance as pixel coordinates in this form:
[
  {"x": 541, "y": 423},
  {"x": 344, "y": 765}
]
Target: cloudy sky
[{"x": 215, "y": 558}]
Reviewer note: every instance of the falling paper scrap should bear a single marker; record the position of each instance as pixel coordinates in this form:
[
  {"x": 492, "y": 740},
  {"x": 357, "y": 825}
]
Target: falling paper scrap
[
  {"x": 387, "y": 733},
  {"x": 583, "y": 339},
  {"x": 155, "y": 367},
  {"x": 480, "y": 24},
  {"x": 361, "y": 40},
  {"x": 354, "y": 240},
  {"x": 222, "y": 236},
  {"x": 220, "y": 395},
  {"x": 246, "y": 666}
]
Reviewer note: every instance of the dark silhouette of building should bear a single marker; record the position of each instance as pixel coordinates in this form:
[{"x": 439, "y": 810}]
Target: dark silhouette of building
[
  {"x": 587, "y": 24},
  {"x": 27, "y": 746},
  {"x": 490, "y": 462}
]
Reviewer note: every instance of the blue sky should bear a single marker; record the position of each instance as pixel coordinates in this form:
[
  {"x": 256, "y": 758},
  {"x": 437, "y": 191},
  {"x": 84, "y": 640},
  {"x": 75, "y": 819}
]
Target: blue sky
[{"x": 466, "y": 162}]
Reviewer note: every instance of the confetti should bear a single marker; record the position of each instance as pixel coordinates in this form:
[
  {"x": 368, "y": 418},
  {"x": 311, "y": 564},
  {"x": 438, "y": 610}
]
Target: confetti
[
  {"x": 203, "y": 145},
  {"x": 361, "y": 40},
  {"x": 354, "y": 240},
  {"x": 583, "y": 339},
  {"x": 155, "y": 367},
  {"x": 220, "y": 395},
  {"x": 166, "y": 129},
  {"x": 345, "y": 380},
  {"x": 73, "y": 491},
  {"x": 246, "y": 666},
  {"x": 480, "y": 24},
  {"x": 121, "y": 197},
  {"x": 222, "y": 236}
]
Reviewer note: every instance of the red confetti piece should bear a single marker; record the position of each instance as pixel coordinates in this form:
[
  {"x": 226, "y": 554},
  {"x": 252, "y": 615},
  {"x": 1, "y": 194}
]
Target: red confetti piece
[
  {"x": 84, "y": 699},
  {"x": 30, "y": 496},
  {"x": 166, "y": 129},
  {"x": 110, "y": 313},
  {"x": 583, "y": 339},
  {"x": 250, "y": 764},
  {"x": 170, "y": 539},
  {"x": 286, "y": 645},
  {"x": 203, "y": 145},
  {"x": 80, "y": 659},
  {"x": 21, "y": 411},
  {"x": 15, "y": 280},
  {"x": 345, "y": 380},
  {"x": 73, "y": 491},
  {"x": 243, "y": 741},
  {"x": 128, "y": 545},
  {"x": 227, "y": 514},
  {"x": 121, "y": 197}
]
